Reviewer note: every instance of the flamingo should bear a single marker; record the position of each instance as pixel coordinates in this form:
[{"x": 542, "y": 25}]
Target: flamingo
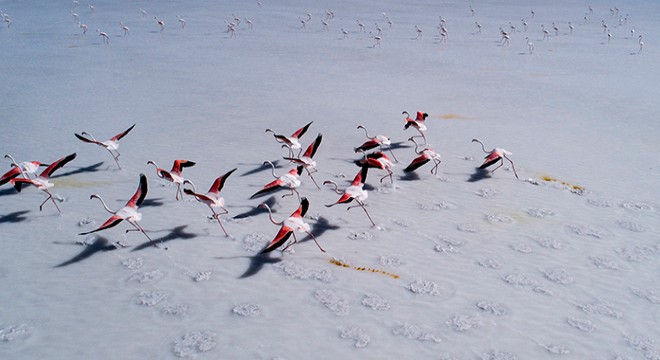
[
  {"x": 344, "y": 33},
  {"x": 419, "y": 33},
  {"x": 126, "y": 29},
  {"x": 478, "y": 27},
  {"x": 290, "y": 180},
  {"x": 182, "y": 21},
  {"x": 160, "y": 23},
  {"x": 375, "y": 141},
  {"x": 353, "y": 192},
  {"x": 212, "y": 198},
  {"x": 524, "y": 24},
  {"x": 417, "y": 123},
  {"x": 530, "y": 45},
  {"x": 174, "y": 175},
  {"x": 289, "y": 227},
  {"x": 306, "y": 160},
  {"x": 378, "y": 160},
  {"x": 291, "y": 141},
  {"x": 324, "y": 25},
  {"x": 495, "y": 155},
  {"x": 111, "y": 145},
  {"x": 104, "y": 36},
  {"x": 24, "y": 169},
  {"x": 546, "y": 33},
  {"x": 128, "y": 212},
  {"x": 641, "y": 44},
  {"x": 425, "y": 155},
  {"x": 41, "y": 181},
  {"x": 84, "y": 28}
]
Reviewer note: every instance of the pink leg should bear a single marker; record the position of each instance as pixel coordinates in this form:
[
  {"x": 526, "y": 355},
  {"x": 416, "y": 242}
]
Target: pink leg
[
  {"x": 314, "y": 238},
  {"x": 50, "y": 197},
  {"x": 140, "y": 229},
  {"x": 216, "y": 216},
  {"x": 513, "y": 167}
]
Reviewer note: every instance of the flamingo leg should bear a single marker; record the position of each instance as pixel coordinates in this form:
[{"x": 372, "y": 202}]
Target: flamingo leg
[
  {"x": 295, "y": 240},
  {"x": 391, "y": 152},
  {"x": 140, "y": 229},
  {"x": 115, "y": 157},
  {"x": 390, "y": 175},
  {"x": 314, "y": 238},
  {"x": 178, "y": 191},
  {"x": 498, "y": 166},
  {"x": 50, "y": 197},
  {"x": 361, "y": 204},
  {"x": 434, "y": 170},
  {"x": 310, "y": 175},
  {"x": 217, "y": 217},
  {"x": 512, "y": 166}
]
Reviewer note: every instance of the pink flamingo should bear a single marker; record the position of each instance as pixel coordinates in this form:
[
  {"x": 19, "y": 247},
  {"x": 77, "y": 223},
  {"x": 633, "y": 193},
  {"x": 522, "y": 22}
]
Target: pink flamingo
[
  {"x": 41, "y": 181},
  {"x": 289, "y": 226},
  {"x": 417, "y": 123},
  {"x": 353, "y": 192},
  {"x": 128, "y": 212},
  {"x": 306, "y": 160},
  {"x": 375, "y": 141},
  {"x": 425, "y": 155},
  {"x": 212, "y": 198},
  {"x": 24, "y": 169},
  {"x": 378, "y": 160},
  {"x": 494, "y": 156},
  {"x": 174, "y": 175},
  {"x": 111, "y": 145},
  {"x": 290, "y": 180},
  {"x": 291, "y": 141}
]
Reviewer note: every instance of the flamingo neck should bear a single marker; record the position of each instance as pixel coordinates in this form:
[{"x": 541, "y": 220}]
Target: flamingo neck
[{"x": 94, "y": 196}]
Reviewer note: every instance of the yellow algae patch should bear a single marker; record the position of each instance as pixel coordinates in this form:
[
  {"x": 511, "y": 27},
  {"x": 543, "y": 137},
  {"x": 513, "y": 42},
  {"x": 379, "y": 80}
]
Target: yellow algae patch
[
  {"x": 574, "y": 188},
  {"x": 450, "y": 116},
  {"x": 73, "y": 183},
  {"x": 357, "y": 268}
]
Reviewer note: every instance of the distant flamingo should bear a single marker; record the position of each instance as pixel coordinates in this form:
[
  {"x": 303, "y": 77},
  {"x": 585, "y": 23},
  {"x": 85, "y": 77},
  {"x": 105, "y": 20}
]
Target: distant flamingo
[
  {"x": 182, "y": 21},
  {"x": 417, "y": 123},
  {"x": 425, "y": 155},
  {"x": 111, "y": 145},
  {"x": 289, "y": 180},
  {"x": 291, "y": 141},
  {"x": 641, "y": 44},
  {"x": 306, "y": 159},
  {"x": 419, "y": 33},
  {"x": 289, "y": 227},
  {"x": 212, "y": 198},
  {"x": 378, "y": 160},
  {"x": 126, "y": 29},
  {"x": 128, "y": 212},
  {"x": 160, "y": 23},
  {"x": 104, "y": 36},
  {"x": 174, "y": 175},
  {"x": 375, "y": 141},
  {"x": 84, "y": 28},
  {"x": 494, "y": 156},
  {"x": 24, "y": 169},
  {"x": 353, "y": 192},
  {"x": 41, "y": 181}
]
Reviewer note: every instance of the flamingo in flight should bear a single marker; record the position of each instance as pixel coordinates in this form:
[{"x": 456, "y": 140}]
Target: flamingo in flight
[
  {"x": 425, "y": 155},
  {"x": 289, "y": 227},
  {"x": 375, "y": 141},
  {"x": 24, "y": 169},
  {"x": 291, "y": 142},
  {"x": 378, "y": 160},
  {"x": 353, "y": 192},
  {"x": 212, "y": 198},
  {"x": 290, "y": 180},
  {"x": 174, "y": 175},
  {"x": 494, "y": 156},
  {"x": 111, "y": 144},
  {"x": 306, "y": 160},
  {"x": 41, "y": 181},
  {"x": 417, "y": 123},
  {"x": 128, "y": 212}
]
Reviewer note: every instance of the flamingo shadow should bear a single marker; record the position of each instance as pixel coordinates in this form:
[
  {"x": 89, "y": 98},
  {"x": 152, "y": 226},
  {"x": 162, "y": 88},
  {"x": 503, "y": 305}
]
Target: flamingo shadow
[
  {"x": 400, "y": 145},
  {"x": 15, "y": 217},
  {"x": 479, "y": 175},
  {"x": 100, "y": 244},
  {"x": 409, "y": 176},
  {"x": 262, "y": 168},
  {"x": 87, "y": 169},
  {"x": 8, "y": 191},
  {"x": 257, "y": 210},
  {"x": 152, "y": 202},
  {"x": 319, "y": 228},
  {"x": 257, "y": 263},
  {"x": 174, "y": 234}
]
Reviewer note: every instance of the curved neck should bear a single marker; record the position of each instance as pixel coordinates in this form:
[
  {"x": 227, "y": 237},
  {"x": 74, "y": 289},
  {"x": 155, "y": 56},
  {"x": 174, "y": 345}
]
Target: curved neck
[
  {"x": 153, "y": 163},
  {"x": 272, "y": 168},
  {"x": 482, "y": 145},
  {"x": 270, "y": 214},
  {"x": 186, "y": 181},
  {"x": 12, "y": 160},
  {"x": 416, "y": 146},
  {"x": 330, "y": 182},
  {"x": 366, "y": 133},
  {"x": 94, "y": 196}
]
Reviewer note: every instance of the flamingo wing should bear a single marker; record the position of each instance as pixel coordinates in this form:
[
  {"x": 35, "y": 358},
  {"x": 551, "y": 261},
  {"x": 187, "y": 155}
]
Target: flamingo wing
[
  {"x": 271, "y": 186},
  {"x": 219, "y": 183},
  {"x": 140, "y": 193},
  {"x": 56, "y": 165},
  {"x": 111, "y": 222},
  {"x": 180, "y": 164},
  {"x": 164, "y": 174},
  {"x": 421, "y": 116},
  {"x": 122, "y": 134},
  {"x": 302, "y": 208},
  {"x": 14, "y": 172},
  {"x": 416, "y": 163},
  {"x": 19, "y": 182},
  {"x": 300, "y": 132},
  {"x": 84, "y": 139},
  {"x": 344, "y": 199},
  {"x": 299, "y": 170},
  {"x": 198, "y": 196},
  {"x": 279, "y": 240},
  {"x": 491, "y": 159},
  {"x": 311, "y": 150},
  {"x": 361, "y": 177},
  {"x": 367, "y": 145}
]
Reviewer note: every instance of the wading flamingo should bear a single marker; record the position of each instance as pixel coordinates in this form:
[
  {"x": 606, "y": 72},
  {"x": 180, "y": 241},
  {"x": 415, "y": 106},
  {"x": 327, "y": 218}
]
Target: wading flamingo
[
  {"x": 174, "y": 175},
  {"x": 291, "y": 141},
  {"x": 41, "y": 181},
  {"x": 378, "y": 160},
  {"x": 289, "y": 227},
  {"x": 494, "y": 156},
  {"x": 212, "y": 198},
  {"x": 128, "y": 212},
  {"x": 111, "y": 145},
  {"x": 289, "y": 180},
  {"x": 306, "y": 160},
  {"x": 417, "y": 123},
  {"x": 425, "y": 155},
  {"x": 375, "y": 141},
  {"x": 353, "y": 192}
]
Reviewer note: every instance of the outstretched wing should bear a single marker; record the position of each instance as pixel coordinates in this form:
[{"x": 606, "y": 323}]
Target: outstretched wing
[
  {"x": 344, "y": 199},
  {"x": 279, "y": 240},
  {"x": 180, "y": 164},
  {"x": 140, "y": 193},
  {"x": 122, "y": 134},
  {"x": 367, "y": 145},
  {"x": 361, "y": 177},
  {"x": 84, "y": 139},
  {"x": 270, "y": 187},
  {"x": 416, "y": 163},
  {"x": 300, "y": 132},
  {"x": 19, "y": 182},
  {"x": 311, "y": 150},
  {"x": 491, "y": 159},
  {"x": 14, "y": 172},
  {"x": 302, "y": 208},
  {"x": 219, "y": 183},
  {"x": 56, "y": 165},
  {"x": 198, "y": 197},
  {"x": 112, "y": 221}
]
